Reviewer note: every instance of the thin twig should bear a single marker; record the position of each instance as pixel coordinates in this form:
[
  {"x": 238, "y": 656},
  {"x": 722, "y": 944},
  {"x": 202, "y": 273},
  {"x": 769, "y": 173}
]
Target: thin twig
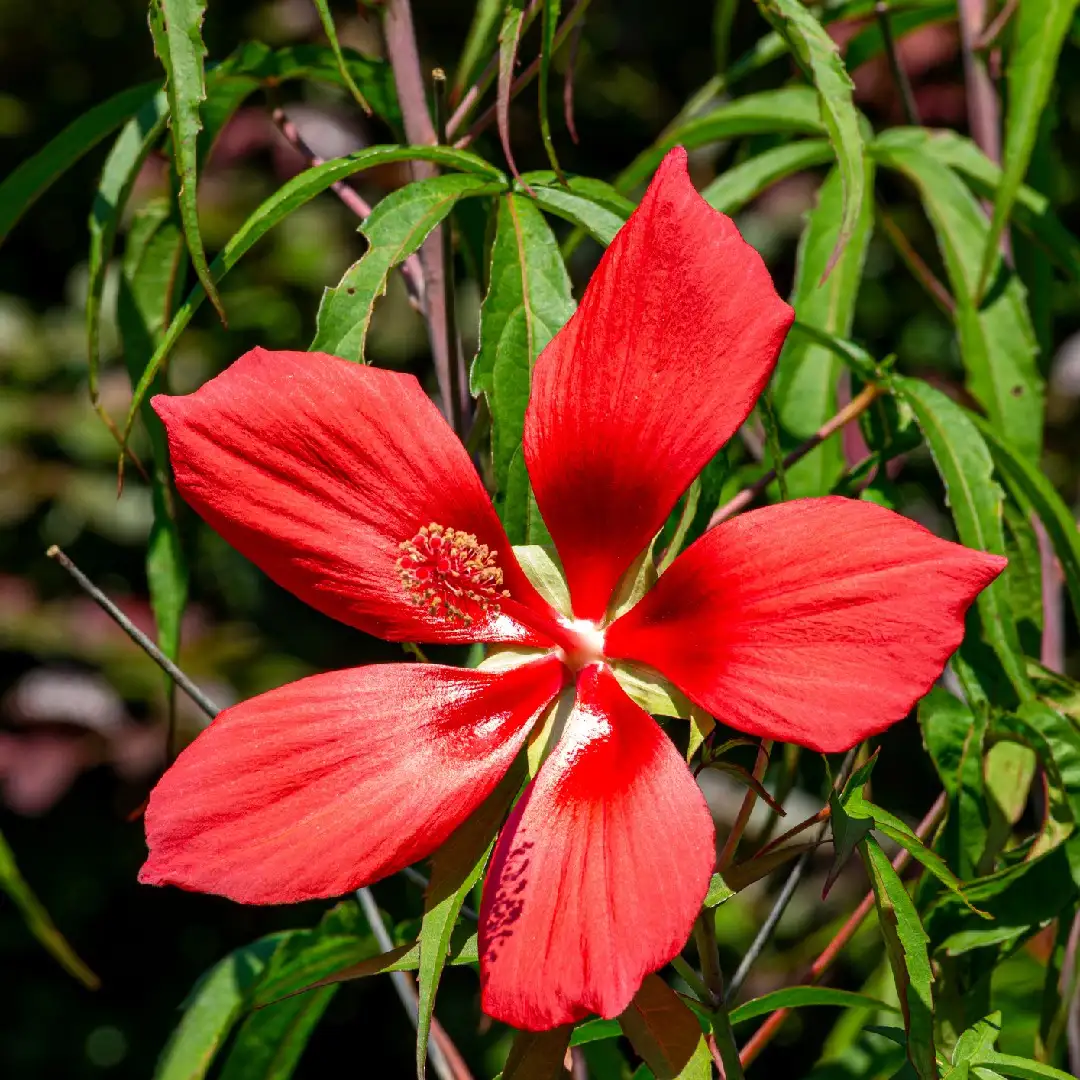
[
  {"x": 404, "y": 59},
  {"x": 914, "y": 262},
  {"x": 899, "y": 73},
  {"x": 990, "y": 34},
  {"x": 410, "y": 268},
  {"x": 443, "y": 1048},
  {"x": 738, "y": 826},
  {"x": 757, "y": 946},
  {"x": 849, "y": 412},
  {"x": 568, "y": 83},
  {"x": 486, "y": 118},
  {"x": 134, "y": 632},
  {"x": 984, "y": 109},
  {"x": 764, "y": 1035}
]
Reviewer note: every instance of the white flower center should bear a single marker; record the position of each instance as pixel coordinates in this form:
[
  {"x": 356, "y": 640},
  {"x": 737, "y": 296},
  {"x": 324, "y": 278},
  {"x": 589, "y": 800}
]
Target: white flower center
[{"x": 586, "y": 643}]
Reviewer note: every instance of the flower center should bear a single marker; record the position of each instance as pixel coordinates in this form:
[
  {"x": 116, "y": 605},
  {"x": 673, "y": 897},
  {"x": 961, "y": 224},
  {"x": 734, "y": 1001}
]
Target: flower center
[
  {"x": 450, "y": 573},
  {"x": 583, "y": 643}
]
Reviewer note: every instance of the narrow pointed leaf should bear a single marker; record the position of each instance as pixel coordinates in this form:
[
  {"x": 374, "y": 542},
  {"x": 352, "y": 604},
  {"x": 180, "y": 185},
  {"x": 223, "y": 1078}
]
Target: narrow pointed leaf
[
  {"x": 807, "y": 374},
  {"x": 176, "y": 27},
  {"x": 819, "y": 57},
  {"x": 295, "y": 193},
  {"x": 397, "y": 227},
  {"x": 591, "y": 204},
  {"x": 795, "y": 997},
  {"x": 23, "y": 187},
  {"x": 37, "y": 918},
  {"x": 509, "y": 36},
  {"x": 737, "y": 186},
  {"x": 330, "y": 31},
  {"x": 1038, "y": 34}
]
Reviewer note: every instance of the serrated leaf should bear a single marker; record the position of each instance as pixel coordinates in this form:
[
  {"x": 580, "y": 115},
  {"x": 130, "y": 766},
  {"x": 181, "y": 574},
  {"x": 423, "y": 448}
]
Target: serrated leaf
[
  {"x": 397, "y": 227},
  {"x": 666, "y": 1033},
  {"x": 738, "y": 185},
  {"x": 212, "y": 1009},
  {"x": 820, "y": 59},
  {"x": 795, "y": 997},
  {"x": 538, "y": 1055},
  {"x": 793, "y": 110},
  {"x": 330, "y": 31},
  {"x": 23, "y": 187},
  {"x": 579, "y": 205},
  {"x": 176, "y": 27},
  {"x": 975, "y": 500},
  {"x": 137, "y": 138},
  {"x": 1058, "y": 519},
  {"x": 953, "y": 737},
  {"x": 906, "y": 946},
  {"x": 455, "y": 868},
  {"x": 996, "y": 338},
  {"x": 291, "y": 195},
  {"x": 527, "y": 302},
  {"x": 1038, "y": 34},
  {"x": 807, "y": 374},
  {"x": 979, "y": 1039},
  {"x": 37, "y": 919}
]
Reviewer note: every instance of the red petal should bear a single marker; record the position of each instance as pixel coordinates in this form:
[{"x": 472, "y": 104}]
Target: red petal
[
  {"x": 317, "y": 470},
  {"x": 817, "y": 621},
  {"x": 600, "y": 871},
  {"x": 332, "y": 782},
  {"x": 676, "y": 336}
]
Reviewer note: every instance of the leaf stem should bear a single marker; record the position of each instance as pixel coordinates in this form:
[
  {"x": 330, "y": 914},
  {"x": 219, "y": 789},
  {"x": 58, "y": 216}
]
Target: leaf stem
[
  {"x": 915, "y": 263},
  {"x": 854, "y": 408},
  {"x": 765, "y": 1034}
]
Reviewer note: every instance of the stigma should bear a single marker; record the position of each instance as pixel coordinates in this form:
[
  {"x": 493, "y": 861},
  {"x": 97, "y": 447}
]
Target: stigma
[
  {"x": 583, "y": 643},
  {"x": 451, "y": 574}
]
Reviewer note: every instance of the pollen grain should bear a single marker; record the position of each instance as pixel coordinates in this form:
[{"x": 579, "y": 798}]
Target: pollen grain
[{"x": 451, "y": 573}]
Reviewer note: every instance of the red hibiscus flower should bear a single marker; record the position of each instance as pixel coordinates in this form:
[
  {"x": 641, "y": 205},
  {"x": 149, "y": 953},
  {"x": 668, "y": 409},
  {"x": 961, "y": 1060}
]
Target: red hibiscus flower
[{"x": 818, "y": 621}]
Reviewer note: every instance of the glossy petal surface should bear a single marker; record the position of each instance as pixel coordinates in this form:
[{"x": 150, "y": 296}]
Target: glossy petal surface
[
  {"x": 676, "y": 336},
  {"x": 600, "y": 870},
  {"x": 337, "y": 780},
  {"x": 817, "y": 621},
  {"x": 317, "y": 470}
]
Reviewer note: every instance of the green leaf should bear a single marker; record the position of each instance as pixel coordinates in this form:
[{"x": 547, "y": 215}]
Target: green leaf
[
  {"x": 456, "y": 867},
  {"x": 1032, "y": 211},
  {"x": 513, "y": 25},
  {"x": 666, "y": 1033},
  {"x": 330, "y": 31},
  {"x": 794, "y": 997},
  {"x": 1060, "y": 524},
  {"x": 213, "y": 1009},
  {"x": 1022, "y": 1068},
  {"x": 397, "y": 227},
  {"x": 37, "y": 174},
  {"x": 737, "y": 186},
  {"x": 591, "y": 204},
  {"x": 544, "y": 571},
  {"x": 547, "y": 47},
  {"x": 138, "y": 137},
  {"x": 817, "y": 54},
  {"x": 527, "y": 302},
  {"x": 965, "y": 467},
  {"x": 793, "y": 110},
  {"x": 651, "y": 690},
  {"x": 807, "y": 374},
  {"x": 595, "y": 1031},
  {"x": 1039, "y": 32},
  {"x": 537, "y": 1055},
  {"x": 270, "y": 1041},
  {"x": 905, "y": 944},
  {"x": 953, "y": 737},
  {"x": 483, "y": 31},
  {"x": 176, "y": 27},
  {"x": 37, "y": 919},
  {"x": 718, "y": 892},
  {"x": 150, "y": 280},
  {"x": 295, "y": 193},
  {"x": 997, "y": 340}
]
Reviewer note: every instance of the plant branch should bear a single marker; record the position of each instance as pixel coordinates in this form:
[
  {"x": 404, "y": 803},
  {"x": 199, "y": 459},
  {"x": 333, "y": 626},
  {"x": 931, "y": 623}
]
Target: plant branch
[
  {"x": 486, "y": 118},
  {"x": 351, "y": 198},
  {"x": 899, "y": 73},
  {"x": 914, "y": 262},
  {"x": 990, "y": 34},
  {"x": 440, "y": 1048},
  {"x": 765, "y": 1034},
  {"x": 849, "y": 412},
  {"x": 738, "y": 826},
  {"x": 404, "y": 59},
  {"x": 984, "y": 109}
]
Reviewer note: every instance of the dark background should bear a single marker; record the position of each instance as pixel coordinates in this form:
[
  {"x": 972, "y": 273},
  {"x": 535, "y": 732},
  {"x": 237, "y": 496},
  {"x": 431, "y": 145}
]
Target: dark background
[{"x": 82, "y": 712}]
